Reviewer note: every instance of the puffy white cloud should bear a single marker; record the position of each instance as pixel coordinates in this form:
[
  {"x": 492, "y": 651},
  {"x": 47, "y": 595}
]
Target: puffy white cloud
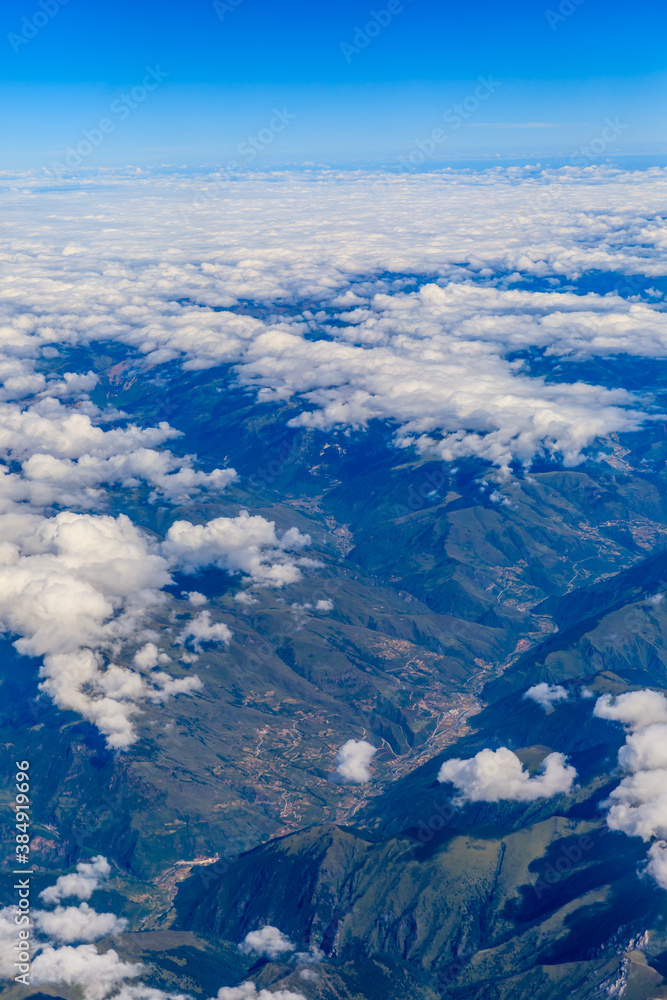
[
  {"x": 9, "y": 937},
  {"x": 56, "y": 961},
  {"x": 244, "y": 544},
  {"x": 645, "y": 749},
  {"x": 657, "y": 865},
  {"x": 494, "y": 775},
  {"x": 147, "y": 657},
  {"x": 76, "y": 590},
  {"x": 77, "y": 923},
  {"x": 70, "y": 587},
  {"x": 638, "y": 805},
  {"x": 81, "y": 883},
  {"x": 64, "y": 454},
  {"x": 248, "y": 991},
  {"x": 270, "y": 942},
  {"x": 324, "y": 605},
  {"x": 546, "y": 695},
  {"x": 195, "y": 598},
  {"x": 97, "y": 974},
  {"x": 202, "y": 629},
  {"x": 635, "y": 708},
  {"x": 246, "y": 599},
  {"x": 353, "y": 761}
]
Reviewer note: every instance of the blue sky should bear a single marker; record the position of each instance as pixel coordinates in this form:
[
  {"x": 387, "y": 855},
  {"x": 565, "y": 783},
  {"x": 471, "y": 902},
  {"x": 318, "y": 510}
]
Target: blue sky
[{"x": 358, "y": 81}]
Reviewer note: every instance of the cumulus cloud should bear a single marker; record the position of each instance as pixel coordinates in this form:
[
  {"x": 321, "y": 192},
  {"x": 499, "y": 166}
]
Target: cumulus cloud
[
  {"x": 73, "y": 586},
  {"x": 66, "y": 456},
  {"x": 638, "y": 805},
  {"x": 82, "y": 883},
  {"x": 56, "y": 960},
  {"x": 270, "y": 942},
  {"x": 77, "y": 588},
  {"x": 248, "y": 991},
  {"x": 245, "y": 599},
  {"x": 657, "y": 864},
  {"x": 78, "y": 923},
  {"x": 96, "y": 973},
  {"x": 147, "y": 657},
  {"x": 353, "y": 761},
  {"x": 202, "y": 629},
  {"x": 546, "y": 695},
  {"x": 195, "y": 598},
  {"x": 494, "y": 775},
  {"x": 246, "y": 544},
  {"x": 635, "y": 708}
]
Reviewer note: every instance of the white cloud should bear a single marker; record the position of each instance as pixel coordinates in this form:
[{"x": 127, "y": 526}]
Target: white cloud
[
  {"x": 65, "y": 455},
  {"x": 546, "y": 695},
  {"x": 312, "y": 957},
  {"x": 270, "y": 942},
  {"x": 78, "y": 923},
  {"x": 82, "y": 883},
  {"x": 244, "y": 544},
  {"x": 246, "y": 599},
  {"x": 657, "y": 865},
  {"x": 635, "y": 708},
  {"x": 202, "y": 629},
  {"x": 248, "y": 991},
  {"x": 195, "y": 598},
  {"x": 56, "y": 961},
  {"x": 77, "y": 588},
  {"x": 147, "y": 657},
  {"x": 353, "y": 761},
  {"x": 324, "y": 605},
  {"x": 433, "y": 361},
  {"x": 638, "y": 805},
  {"x": 494, "y": 775},
  {"x": 645, "y": 749},
  {"x": 8, "y": 938},
  {"x": 71, "y": 587},
  {"x": 97, "y": 974}
]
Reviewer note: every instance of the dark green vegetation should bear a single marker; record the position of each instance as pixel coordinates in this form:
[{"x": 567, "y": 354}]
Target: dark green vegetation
[{"x": 452, "y": 589}]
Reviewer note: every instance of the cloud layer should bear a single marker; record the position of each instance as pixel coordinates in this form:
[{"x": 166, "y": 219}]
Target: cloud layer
[
  {"x": 374, "y": 297},
  {"x": 433, "y": 359}
]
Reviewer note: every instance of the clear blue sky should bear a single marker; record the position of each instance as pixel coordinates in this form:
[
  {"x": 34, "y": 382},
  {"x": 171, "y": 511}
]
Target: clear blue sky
[{"x": 354, "y": 96}]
